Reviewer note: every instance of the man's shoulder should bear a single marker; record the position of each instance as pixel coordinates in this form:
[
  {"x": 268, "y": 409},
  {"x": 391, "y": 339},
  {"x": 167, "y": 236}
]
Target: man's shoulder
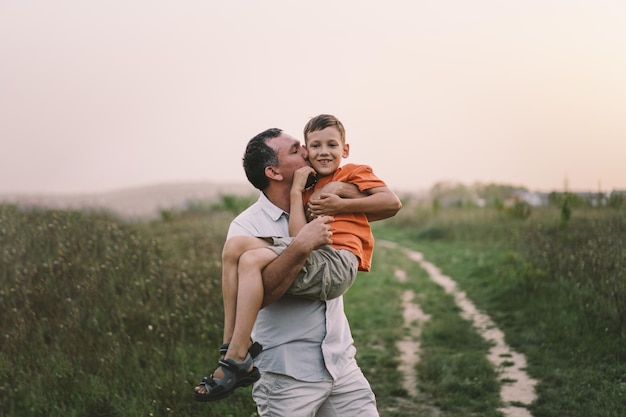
[
  {"x": 252, "y": 210},
  {"x": 249, "y": 213},
  {"x": 260, "y": 219}
]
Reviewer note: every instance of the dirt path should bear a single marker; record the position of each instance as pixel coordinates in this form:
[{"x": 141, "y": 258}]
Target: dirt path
[
  {"x": 409, "y": 346},
  {"x": 518, "y": 388}
]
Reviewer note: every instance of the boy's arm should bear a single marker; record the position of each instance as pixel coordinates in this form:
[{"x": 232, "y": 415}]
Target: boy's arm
[
  {"x": 281, "y": 272},
  {"x": 297, "y": 215},
  {"x": 377, "y": 203}
]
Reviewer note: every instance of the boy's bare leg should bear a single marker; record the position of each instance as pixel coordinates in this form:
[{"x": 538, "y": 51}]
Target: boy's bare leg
[
  {"x": 231, "y": 254},
  {"x": 232, "y": 251},
  {"x": 249, "y": 300}
]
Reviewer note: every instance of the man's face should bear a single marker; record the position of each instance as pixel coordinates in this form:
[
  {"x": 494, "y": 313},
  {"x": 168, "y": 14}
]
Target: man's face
[{"x": 291, "y": 155}]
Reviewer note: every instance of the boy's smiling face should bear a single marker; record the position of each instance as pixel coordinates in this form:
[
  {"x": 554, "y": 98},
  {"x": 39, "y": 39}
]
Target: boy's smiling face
[{"x": 326, "y": 149}]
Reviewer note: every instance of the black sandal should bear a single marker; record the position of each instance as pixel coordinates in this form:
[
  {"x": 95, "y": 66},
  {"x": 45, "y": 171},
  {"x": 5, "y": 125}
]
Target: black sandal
[{"x": 236, "y": 375}]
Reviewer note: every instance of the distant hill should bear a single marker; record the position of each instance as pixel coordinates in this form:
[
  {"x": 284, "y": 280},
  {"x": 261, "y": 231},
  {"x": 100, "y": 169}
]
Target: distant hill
[{"x": 136, "y": 202}]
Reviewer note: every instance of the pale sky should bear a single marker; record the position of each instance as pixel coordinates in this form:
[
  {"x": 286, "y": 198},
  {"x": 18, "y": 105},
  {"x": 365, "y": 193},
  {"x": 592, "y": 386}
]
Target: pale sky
[{"x": 101, "y": 95}]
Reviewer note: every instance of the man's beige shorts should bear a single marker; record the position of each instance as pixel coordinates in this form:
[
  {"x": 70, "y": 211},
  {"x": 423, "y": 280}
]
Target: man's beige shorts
[{"x": 326, "y": 274}]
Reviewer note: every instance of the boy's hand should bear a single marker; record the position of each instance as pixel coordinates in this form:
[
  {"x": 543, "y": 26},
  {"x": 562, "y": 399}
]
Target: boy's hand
[
  {"x": 326, "y": 204},
  {"x": 300, "y": 178}
]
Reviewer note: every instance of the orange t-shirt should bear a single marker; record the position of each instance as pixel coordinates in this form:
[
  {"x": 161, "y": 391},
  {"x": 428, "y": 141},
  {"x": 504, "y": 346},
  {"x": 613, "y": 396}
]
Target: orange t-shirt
[{"x": 352, "y": 231}]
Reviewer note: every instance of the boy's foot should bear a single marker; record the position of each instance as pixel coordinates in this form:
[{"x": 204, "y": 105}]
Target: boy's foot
[{"x": 229, "y": 375}]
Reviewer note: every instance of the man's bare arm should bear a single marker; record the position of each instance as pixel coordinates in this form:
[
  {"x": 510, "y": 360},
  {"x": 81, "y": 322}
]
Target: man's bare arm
[{"x": 281, "y": 272}]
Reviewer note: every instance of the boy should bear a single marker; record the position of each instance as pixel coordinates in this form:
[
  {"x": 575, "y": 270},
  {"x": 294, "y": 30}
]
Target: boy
[{"x": 329, "y": 271}]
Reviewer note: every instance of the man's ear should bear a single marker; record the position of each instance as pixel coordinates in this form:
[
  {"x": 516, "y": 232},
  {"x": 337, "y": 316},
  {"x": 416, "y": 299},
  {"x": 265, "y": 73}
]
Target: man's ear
[
  {"x": 346, "y": 150},
  {"x": 273, "y": 173}
]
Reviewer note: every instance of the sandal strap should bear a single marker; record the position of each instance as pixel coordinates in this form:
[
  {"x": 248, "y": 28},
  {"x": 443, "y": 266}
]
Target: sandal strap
[
  {"x": 237, "y": 367},
  {"x": 207, "y": 382},
  {"x": 236, "y": 375},
  {"x": 254, "y": 350}
]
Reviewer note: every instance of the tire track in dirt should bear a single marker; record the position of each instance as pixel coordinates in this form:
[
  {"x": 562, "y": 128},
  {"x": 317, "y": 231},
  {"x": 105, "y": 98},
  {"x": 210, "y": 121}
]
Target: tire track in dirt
[
  {"x": 409, "y": 346},
  {"x": 517, "y": 387}
]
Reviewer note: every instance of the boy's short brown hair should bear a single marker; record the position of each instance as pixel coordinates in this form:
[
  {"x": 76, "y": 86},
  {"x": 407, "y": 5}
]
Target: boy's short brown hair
[{"x": 323, "y": 121}]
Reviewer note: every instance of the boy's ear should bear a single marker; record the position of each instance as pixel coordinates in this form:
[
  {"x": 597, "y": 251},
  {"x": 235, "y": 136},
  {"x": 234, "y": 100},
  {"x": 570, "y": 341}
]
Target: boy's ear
[
  {"x": 346, "y": 150},
  {"x": 273, "y": 173}
]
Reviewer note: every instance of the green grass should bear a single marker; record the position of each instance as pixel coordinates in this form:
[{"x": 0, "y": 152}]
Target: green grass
[
  {"x": 579, "y": 362},
  {"x": 557, "y": 292},
  {"x": 455, "y": 377},
  {"x": 101, "y": 317}
]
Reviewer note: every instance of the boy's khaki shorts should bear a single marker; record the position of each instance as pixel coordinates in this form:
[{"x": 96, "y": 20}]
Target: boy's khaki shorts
[{"x": 326, "y": 274}]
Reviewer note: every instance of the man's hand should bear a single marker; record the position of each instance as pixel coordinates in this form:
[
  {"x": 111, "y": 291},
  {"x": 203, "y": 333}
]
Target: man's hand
[
  {"x": 314, "y": 234},
  {"x": 280, "y": 273}
]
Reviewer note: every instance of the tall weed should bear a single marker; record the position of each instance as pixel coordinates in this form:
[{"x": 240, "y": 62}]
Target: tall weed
[
  {"x": 102, "y": 317},
  {"x": 589, "y": 254}
]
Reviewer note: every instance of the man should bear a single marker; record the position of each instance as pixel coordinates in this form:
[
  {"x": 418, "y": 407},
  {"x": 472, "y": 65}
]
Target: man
[{"x": 307, "y": 364}]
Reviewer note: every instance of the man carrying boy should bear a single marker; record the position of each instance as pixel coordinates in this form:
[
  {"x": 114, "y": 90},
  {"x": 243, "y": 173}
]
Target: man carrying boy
[{"x": 293, "y": 329}]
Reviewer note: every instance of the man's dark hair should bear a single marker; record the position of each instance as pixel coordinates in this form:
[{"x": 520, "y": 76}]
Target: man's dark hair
[{"x": 258, "y": 156}]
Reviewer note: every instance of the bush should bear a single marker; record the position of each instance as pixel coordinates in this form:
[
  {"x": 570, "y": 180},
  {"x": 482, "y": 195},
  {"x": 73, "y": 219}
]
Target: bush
[{"x": 519, "y": 210}]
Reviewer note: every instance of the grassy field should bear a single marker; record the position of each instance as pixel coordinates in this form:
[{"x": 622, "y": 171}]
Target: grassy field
[
  {"x": 556, "y": 288},
  {"x": 101, "y": 317}
]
